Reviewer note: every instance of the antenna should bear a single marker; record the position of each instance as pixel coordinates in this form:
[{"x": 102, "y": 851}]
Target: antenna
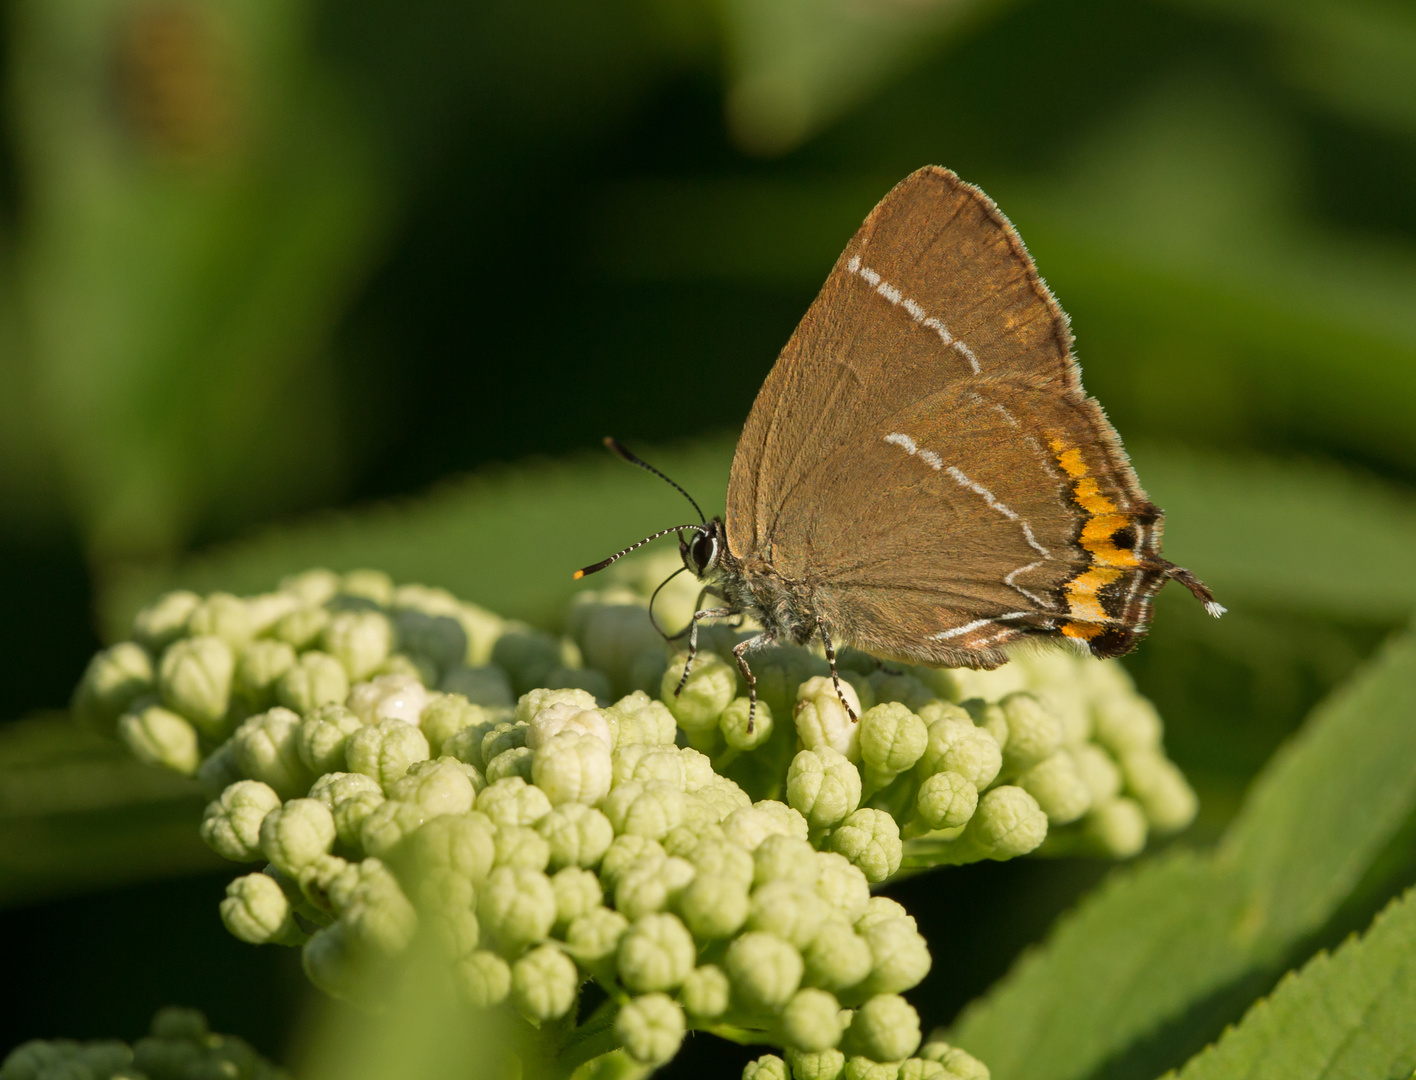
[
  {"x": 632, "y": 547},
  {"x": 619, "y": 449}
]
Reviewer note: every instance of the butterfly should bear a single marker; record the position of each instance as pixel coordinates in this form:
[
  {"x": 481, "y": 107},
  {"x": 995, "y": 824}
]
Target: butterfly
[{"x": 922, "y": 475}]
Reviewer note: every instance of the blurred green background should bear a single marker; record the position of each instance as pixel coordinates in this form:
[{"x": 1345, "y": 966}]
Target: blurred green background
[{"x": 265, "y": 266}]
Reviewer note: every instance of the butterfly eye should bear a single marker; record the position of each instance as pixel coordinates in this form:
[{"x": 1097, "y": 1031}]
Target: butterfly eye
[{"x": 704, "y": 551}]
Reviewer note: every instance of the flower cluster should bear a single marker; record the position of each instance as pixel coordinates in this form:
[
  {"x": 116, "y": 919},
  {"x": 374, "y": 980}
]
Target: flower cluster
[
  {"x": 179, "y": 1047},
  {"x": 550, "y": 813}
]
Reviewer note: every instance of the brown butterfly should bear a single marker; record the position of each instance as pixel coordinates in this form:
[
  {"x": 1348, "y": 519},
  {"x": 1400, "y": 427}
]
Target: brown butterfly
[{"x": 922, "y": 475}]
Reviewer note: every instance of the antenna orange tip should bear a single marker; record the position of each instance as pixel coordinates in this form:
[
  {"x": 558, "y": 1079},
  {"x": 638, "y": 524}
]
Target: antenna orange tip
[{"x": 577, "y": 575}]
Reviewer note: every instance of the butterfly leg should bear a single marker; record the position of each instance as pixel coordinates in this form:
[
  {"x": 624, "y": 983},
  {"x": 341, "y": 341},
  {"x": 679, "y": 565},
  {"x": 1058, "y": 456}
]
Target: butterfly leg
[
  {"x": 831, "y": 659},
  {"x": 740, "y": 651},
  {"x": 711, "y": 613}
]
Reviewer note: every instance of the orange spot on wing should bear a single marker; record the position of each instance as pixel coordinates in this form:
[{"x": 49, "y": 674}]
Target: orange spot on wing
[
  {"x": 1080, "y": 630},
  {"x": 1096, "y": 538},
  {"x": 1070, "y": 458},
  {"x": 1082, "y": 590}
]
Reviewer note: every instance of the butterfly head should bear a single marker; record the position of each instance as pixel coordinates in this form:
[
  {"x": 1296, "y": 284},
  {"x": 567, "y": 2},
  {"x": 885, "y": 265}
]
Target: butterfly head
[{"x": 701, "y": 547}]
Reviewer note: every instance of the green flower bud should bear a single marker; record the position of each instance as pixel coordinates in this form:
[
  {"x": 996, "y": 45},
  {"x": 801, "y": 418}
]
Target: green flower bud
[
  {"x": 1098, "y": 771},
  {"x": 1058, "y": 787},
  {"x": 885, "y": 1028},
  {"x": 958, "y": 1065},
  {"x": 484, "y": 979},
  {"x": 256, "y": 911},
  {"x": 482, "y": 628},
  {"x": 826, "y": 1065},
  {"x": 231, "y": 825},
  {"x": 870, "y": 839},
  {"x": 321, "y": 738},
  {"x": 437, "y": 637},
  {"x": 454, "y": 924},
  {"x": 318, "y": 876},
  {"x": 722, "y": 859},
  {"x": 823, "y": 786},
  {"x": 350, "y": 815},
  {"x": 527, "y": 655},
  {"x": 594, "y": 937},
  {"x": 784, "y": 858},
  {"x": 899, "y": 956},
  {"x": 359, "y": 640},
  {"x": 513, "y": 801},
  {"x": 372, "y": 585},
  {"x": 223, "y": 616},
  {"x": 724, "y": 796},
  {"x": 158, "y": 736},
  {"x": 946, "y": 800},
  {"x": 1034, "y": 734},
  {"x": 706, "y": 993},
  {"x": 644, "y": 762},
  {"x": 388, "y": 697},
  {"x": 780, "y": 671},
  {"x": 918, "y": 1069},
  {"x": 1007, "y": 823},
  {"x": 316, "y": 679},
  {"x": 765, "y": 970},
  {"x": 438, "y": 787},
  {"x": 502, "y": 737},
  {"x": 388, "y": 824},
  {"x": 464, "y": 844},
  {"x": 483, "y": 686},
  {"x": 1116, "y": 828},
  {"x": 650, "y": 809},
  {"x": 516, "y": 762},
  {"x": 767, "y": 1067},
  {"x": 881, "y": 908},
  {"x": 656, "y": 953},
  {"x": 710, "y": 689},
  {"x": 466, "y": 745},
  {"x": 789, "y": 909},
  {"x": 837, "y": 957},
  {"x": 517, "y": 907},
  {"x": 900, "y": 689},
  {"x": 113, "y": 680},
  {"x": 841, "y": 884},
  {"x": 444, "y": 716},
  {"x": 523, "y": 847},
  {"x": 164, "y": 620},
  {"x": 544, "y": 984},
  {"x": 1127, "y": 723},
  {"x": 297, "y": 833},
  {"x": 821, "y": 719},
  {"x": 194, "y": 679},
  {"x": 577, "y": 835},
  {"x": 651, "y": 1028},
  {"x": 371, "y": 905},
  {"x": 651, "y": 884},
  {"x": 1161, "y": 789},
  {"x": 623, "y": 853},
  {"x": 573, "y": 767},
  {"x": 386, "y": 750},
  {"x": 260, "y": 670},
  {"x": 313, "y": 587},
  {"x": 733, "y": 724},
  {"x": 811, "y": 1021},
  {"x": 577, "y": 892},
  {"x": 957, "y": 746},
  {"x": 638, "y": 718},
  {"x": 891, "y": 738},
  {"x": 329, "y": 962},
  {"x": 266, "y": 747},
  {"x": 302, "y": 628}
]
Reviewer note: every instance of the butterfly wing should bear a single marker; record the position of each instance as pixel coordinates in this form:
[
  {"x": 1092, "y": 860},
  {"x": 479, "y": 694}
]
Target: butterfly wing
[{"x": 923, "y": 459}]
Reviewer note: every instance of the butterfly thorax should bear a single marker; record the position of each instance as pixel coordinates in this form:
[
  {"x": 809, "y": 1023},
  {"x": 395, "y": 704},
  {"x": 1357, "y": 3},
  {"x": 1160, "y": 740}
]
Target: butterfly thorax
[{"x": 784, "y": 609}]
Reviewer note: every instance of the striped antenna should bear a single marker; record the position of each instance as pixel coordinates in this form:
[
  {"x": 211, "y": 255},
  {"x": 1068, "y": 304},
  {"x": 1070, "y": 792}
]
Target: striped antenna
[
  {"x": 632, "y": 547},
  {"x": 618, "y": 448}
]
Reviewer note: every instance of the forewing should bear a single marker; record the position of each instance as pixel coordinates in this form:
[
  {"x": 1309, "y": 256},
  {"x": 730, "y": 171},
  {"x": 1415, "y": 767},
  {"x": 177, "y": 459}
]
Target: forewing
[{"x": 935, "y": 287}]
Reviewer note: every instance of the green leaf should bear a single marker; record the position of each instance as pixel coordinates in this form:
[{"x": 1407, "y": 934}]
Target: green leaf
[
  {"x": 1347, "y": 1014},
  {"x": 77, "y": 812},
  {"x": 1170, "y": 934}
]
